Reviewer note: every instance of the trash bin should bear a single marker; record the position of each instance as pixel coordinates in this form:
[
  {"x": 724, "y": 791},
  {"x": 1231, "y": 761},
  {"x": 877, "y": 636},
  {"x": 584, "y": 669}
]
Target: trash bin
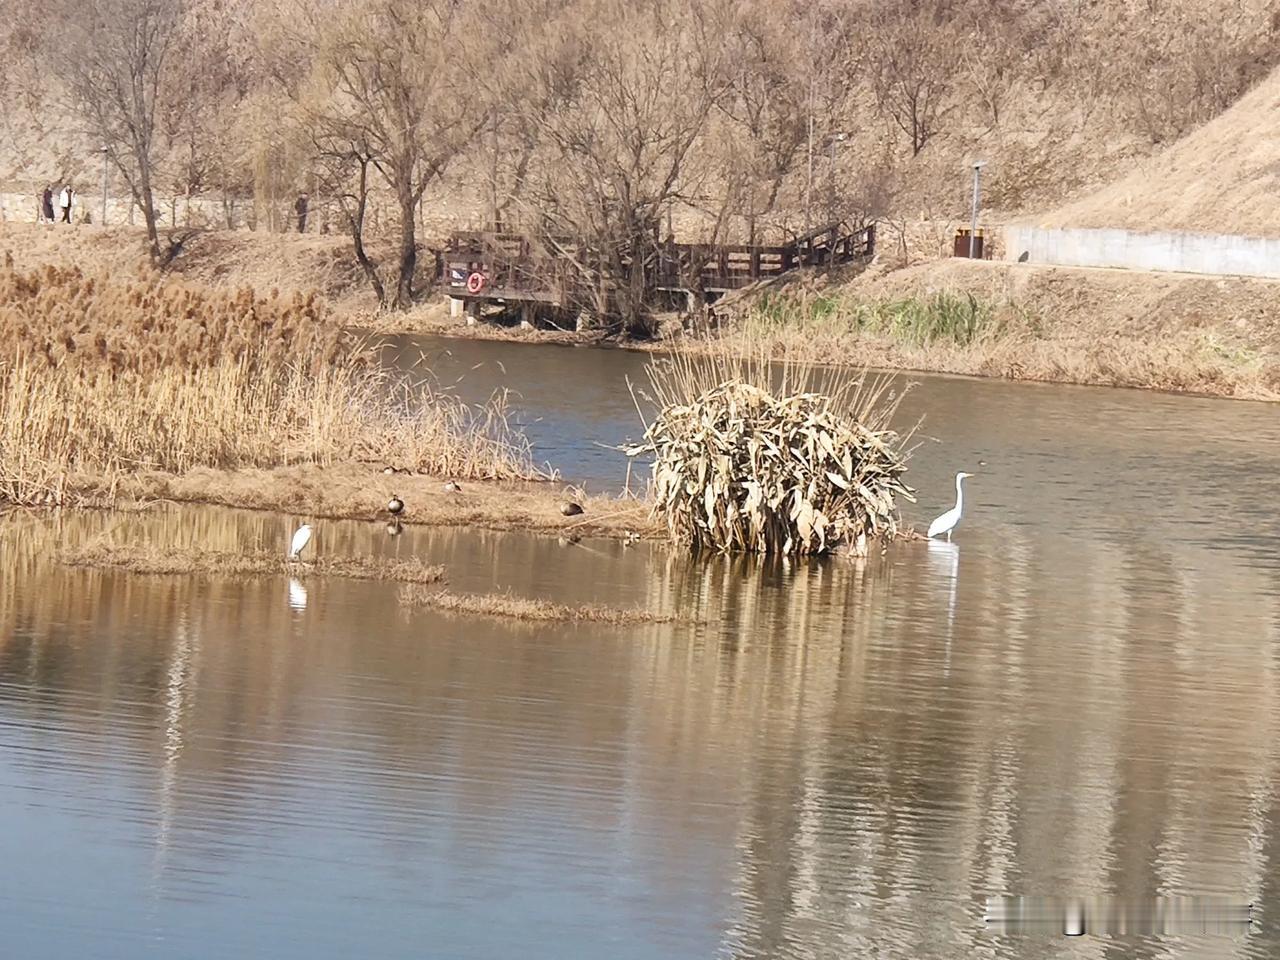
[{"x": 961, "y": 248}]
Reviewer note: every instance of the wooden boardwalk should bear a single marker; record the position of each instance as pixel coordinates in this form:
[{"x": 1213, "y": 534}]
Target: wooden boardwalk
[{"x": 490, "y": 266}]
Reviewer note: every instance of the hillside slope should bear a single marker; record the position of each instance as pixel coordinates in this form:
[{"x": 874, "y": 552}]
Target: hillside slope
[{"x": 1224, "y": 177}]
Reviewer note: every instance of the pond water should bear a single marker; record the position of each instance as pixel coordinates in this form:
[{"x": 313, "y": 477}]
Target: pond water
[{"x": 1079, "y": 697}]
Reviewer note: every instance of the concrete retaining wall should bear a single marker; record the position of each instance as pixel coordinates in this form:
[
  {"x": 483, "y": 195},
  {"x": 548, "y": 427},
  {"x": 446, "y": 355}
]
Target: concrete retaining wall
[{"x": 1222, "y": 254}]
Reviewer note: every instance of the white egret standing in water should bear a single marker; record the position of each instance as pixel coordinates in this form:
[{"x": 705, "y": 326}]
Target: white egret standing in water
[
  {"x": 946, "y": 523},
  {"x": 301, "y": 537}
]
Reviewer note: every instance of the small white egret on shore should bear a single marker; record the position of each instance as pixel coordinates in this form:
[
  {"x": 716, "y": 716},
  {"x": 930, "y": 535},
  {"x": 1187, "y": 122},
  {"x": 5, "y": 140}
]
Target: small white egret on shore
[
  {"x": 946, "y": 523},
  {"x": 301, "y": 537}
]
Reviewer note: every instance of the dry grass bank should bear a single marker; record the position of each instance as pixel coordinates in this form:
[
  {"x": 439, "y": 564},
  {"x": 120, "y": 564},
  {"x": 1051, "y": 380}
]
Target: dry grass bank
[
  {"x": 222, "y": 259},
  {"x": 1182, "y": 333},
  {"x": 177, "y": 561},
  {"x": 353, "y": 491},
  {"x": 507, "y": 607}
]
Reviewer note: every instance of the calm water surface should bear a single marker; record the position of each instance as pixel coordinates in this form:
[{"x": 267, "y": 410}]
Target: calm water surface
[{"x": 1081, "y": 696}]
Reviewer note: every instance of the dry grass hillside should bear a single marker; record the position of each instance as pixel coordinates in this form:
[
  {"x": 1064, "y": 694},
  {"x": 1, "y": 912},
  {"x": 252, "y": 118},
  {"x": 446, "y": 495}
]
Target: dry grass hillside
[{"x": 1222, "y": 178}]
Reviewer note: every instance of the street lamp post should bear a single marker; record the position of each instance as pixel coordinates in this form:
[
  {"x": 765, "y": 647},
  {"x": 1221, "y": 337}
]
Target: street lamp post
[
  {"x": 973, "y": 232},
  {"x": 104, "y": 185}
]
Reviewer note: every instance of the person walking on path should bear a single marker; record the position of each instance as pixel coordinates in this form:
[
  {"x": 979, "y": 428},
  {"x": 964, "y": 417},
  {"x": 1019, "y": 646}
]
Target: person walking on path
[
  {"x": 300, "y": 208},
  {"x": 46, "y": 205},
  {"x": 65, "y": 199}
]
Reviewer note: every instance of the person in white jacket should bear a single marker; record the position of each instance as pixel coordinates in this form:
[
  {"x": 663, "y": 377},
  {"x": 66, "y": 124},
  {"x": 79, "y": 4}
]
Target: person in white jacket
[{"x": 65, "y": 199}]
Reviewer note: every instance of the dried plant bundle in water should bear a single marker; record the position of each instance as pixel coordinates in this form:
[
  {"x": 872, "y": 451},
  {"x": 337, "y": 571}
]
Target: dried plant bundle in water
[{"x": 751, "y": 463}]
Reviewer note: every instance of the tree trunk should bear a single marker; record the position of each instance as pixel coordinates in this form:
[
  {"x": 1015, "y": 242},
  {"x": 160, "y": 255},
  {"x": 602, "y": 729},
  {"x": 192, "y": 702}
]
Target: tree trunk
[
  {"x": 146, "y": 200},
  {"x": 408, "y": 251},
  {"x": 636, "y": 318},
  {"x": 368, "y": 266},
  {"x": 355, "y": 221}
]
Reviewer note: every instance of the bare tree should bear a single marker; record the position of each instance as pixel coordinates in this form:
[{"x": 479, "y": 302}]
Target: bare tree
[
  {"x": 344, "y": 174},
  {"x": 991, "y": 39},
  {"x": 630, "y": 101},
  {"x": 113, "y": 58},
  {"x": 913, "y": 53},
  {"x": 770, "y": 96},
  {"x": 387, "y": 83},
  {"x": 199, "y": 103}
]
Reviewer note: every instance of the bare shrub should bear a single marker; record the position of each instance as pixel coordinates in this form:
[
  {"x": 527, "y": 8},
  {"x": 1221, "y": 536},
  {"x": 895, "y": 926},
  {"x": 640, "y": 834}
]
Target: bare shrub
[{"x": 912, "y": 61}]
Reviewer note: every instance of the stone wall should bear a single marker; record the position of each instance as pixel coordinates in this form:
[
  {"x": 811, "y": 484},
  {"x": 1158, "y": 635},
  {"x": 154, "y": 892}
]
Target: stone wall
[{"x": 1218, "y": 254}]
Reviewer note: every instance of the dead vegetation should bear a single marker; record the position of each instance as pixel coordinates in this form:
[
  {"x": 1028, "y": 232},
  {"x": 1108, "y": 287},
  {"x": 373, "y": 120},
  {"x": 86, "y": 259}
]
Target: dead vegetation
[
  {"x": 743, "y": 462},
  {"x": 1219, "y": 178},
  {"x": 508, "y": 607},
  {"x": 1207, "y": 335},
  {"x": 103, "y": 377},
  {"x": 138, "y": 321},
  {"x": 147, "y": 559}
]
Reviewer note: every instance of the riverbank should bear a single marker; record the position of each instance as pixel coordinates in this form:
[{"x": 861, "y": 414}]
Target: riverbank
[
  {"x": 361, "y": 492},
  {"x": 1206, "y": 336},
  {"x": 1212, "y": 336},
  {"x": 119, "y": 390}
]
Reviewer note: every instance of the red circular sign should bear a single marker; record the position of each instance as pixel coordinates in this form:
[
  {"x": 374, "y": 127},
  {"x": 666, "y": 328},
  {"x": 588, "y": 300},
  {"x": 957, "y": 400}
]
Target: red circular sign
[{"x": 476, "y": 282}]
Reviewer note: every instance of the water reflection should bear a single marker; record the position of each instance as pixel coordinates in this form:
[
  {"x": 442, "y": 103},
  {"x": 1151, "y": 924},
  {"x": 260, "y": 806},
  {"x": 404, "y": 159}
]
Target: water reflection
[
  {"x": 944, "y": 566},
  {"x": 297, "y": 595},
  {"x": 840, "y": 760}
]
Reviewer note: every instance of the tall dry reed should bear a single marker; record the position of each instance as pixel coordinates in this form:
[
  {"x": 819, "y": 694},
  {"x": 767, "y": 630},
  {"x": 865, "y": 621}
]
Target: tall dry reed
[
  {"x": 149, "y": 321},
  {"x": 100, "y": 378}
]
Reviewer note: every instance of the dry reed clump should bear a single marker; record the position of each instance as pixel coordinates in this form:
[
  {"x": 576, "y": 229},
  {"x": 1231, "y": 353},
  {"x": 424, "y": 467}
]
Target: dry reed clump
[
  {"x": 180, "y": 561},
  {"x": 102, "y": 378},
  {"x": 505, "y": 606},
  {"x": 747, "y": 465},
  {"x": 55, "y": 316}
]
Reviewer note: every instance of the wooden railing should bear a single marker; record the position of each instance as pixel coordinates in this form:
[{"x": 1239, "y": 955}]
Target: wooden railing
[
  {"x": 719, "y": 268},
  {"x": 510, "y": 266}
]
